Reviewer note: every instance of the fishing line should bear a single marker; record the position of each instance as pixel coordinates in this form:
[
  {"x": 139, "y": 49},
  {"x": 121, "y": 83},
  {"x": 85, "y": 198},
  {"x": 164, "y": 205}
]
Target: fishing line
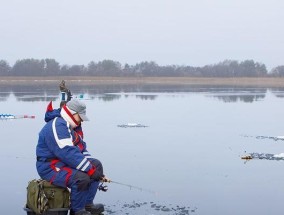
[{"x": 131, "y": 186}]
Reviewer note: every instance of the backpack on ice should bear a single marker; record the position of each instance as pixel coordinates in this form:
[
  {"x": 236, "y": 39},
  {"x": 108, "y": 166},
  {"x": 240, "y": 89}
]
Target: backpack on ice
[{"x": 42, "y": 195}]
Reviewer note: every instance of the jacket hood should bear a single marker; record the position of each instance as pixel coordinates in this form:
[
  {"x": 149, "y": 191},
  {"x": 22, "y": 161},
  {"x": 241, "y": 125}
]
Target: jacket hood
[{"x": 51, "y": 113}]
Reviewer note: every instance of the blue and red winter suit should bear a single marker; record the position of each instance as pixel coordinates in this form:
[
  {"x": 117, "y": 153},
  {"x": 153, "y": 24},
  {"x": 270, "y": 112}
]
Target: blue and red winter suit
[{"x": 63, "y": 160}]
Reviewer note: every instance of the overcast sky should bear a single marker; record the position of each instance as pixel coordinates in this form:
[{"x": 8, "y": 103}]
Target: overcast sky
[{"x": 183, "y": 32}]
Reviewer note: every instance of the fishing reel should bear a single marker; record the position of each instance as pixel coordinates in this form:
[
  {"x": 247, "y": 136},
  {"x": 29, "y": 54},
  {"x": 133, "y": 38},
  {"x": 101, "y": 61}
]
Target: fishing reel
[{"x": 103, "y": 187}]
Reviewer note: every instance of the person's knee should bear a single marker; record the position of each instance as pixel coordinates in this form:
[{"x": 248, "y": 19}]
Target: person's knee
[
  {"x": 82, "y": 181},
  {"x": 99, "y": 172},
  {"x": 96, "y": 162}
]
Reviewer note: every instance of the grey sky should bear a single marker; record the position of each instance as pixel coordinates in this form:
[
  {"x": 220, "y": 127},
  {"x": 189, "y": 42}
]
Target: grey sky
[{"x": 183, "y": 32}]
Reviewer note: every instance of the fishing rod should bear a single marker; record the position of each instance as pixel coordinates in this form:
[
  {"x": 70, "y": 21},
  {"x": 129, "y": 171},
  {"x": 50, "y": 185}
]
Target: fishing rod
[{"x": 105, "y": 188}]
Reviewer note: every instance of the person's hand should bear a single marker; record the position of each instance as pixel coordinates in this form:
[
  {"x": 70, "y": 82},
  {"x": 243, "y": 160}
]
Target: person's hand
[{"x": 105, "y": 179}]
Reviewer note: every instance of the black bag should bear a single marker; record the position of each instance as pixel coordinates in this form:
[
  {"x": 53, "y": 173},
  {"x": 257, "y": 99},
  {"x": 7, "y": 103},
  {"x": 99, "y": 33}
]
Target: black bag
[{"x": 42, "y": 195}]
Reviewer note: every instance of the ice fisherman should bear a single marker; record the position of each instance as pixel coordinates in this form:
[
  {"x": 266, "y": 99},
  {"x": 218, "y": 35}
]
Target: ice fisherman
[{"x": 63, "y": 159}]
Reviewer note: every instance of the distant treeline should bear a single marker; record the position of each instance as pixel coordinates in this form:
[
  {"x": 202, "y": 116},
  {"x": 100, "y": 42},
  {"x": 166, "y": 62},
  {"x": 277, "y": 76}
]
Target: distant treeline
[{"x": 50, "y": 67}]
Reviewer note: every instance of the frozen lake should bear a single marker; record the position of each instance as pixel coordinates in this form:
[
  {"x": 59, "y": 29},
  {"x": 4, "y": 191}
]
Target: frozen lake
[{"x": 189, "y": 155}]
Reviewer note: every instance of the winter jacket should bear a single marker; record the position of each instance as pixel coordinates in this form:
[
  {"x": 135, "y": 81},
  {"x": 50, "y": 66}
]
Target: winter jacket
[{"x": 60, "y": 146}]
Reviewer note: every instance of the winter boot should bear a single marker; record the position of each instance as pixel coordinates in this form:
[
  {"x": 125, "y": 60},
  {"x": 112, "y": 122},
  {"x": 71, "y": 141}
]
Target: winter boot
[{"x": 95, "y": 209}]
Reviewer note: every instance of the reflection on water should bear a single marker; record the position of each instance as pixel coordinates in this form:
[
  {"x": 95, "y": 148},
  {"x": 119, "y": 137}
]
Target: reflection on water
[
  {"x": 278, "y": 92},
  {"x": 240, "y": 98},
  {"x": 109, "y": 97},
  {"x": 33, "y": 98},
  {"x": 146, "y": 97},
  {"x": 247, "y": 95},
  {"x": 114, "y": 92}
]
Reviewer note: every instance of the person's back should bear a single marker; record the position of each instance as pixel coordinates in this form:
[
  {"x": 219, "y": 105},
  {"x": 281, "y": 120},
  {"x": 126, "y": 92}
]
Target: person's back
[{"x": 42, "y": 149}]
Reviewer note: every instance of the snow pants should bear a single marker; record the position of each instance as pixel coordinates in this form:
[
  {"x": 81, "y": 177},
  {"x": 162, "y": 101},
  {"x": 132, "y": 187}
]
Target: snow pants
[{"x": 83, "y": 188}]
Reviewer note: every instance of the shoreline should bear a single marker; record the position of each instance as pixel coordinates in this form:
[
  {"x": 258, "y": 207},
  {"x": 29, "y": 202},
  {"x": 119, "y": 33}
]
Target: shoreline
[{"x": 86, "y": 80}]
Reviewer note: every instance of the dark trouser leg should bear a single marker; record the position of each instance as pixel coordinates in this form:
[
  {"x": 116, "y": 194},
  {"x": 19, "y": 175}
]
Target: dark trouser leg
[
  {"x": 80, "y": 185},
  {"x": 92, "y": 192},
  {"x": 93, "y": 186},
  {"x": 93, "y": 208}
]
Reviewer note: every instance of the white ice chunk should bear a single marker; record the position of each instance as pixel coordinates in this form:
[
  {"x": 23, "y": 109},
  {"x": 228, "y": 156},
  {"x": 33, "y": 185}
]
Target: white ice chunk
[{"x": 281, "y": 155}]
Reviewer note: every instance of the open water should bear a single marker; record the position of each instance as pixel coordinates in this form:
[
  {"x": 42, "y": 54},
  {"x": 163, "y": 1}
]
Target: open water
[{"x": 186, "y": 161}]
